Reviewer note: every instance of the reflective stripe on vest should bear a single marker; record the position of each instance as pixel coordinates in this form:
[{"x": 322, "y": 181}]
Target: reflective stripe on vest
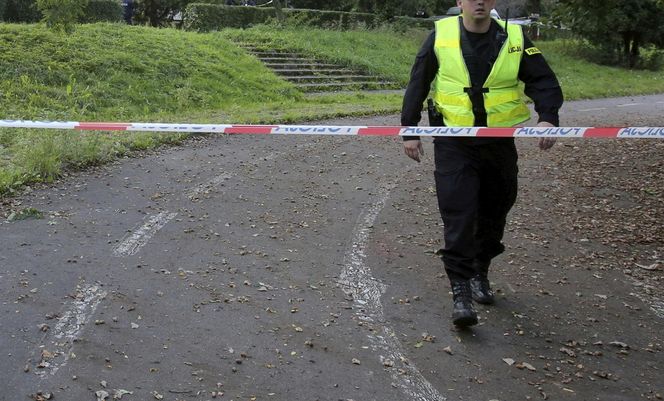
[{"x": 503, "y": 103}]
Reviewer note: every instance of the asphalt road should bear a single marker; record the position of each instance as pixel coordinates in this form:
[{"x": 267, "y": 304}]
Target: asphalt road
[{"x": 304, "y": 268}]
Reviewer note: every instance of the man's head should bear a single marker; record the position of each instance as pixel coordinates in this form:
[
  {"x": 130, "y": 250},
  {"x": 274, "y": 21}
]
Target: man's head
[{"x": 476, "y": 10}]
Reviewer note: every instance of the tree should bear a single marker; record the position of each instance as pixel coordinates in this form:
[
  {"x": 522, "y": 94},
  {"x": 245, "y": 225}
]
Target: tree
[
  {"x": 617, "y": 26},
  {"x": 62, "y": 14}
]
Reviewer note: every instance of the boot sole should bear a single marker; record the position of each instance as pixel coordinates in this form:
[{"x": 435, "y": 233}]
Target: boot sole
[{"x": 465, "y": 320}]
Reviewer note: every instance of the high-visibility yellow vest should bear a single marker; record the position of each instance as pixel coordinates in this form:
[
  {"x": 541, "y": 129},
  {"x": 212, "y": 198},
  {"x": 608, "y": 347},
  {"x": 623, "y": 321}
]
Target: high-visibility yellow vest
[{"x": 503, "y": 103}]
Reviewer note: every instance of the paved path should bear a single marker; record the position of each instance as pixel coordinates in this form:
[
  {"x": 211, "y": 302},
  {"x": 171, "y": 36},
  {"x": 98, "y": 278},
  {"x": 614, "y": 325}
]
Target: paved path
[{"x": 304, "y": 268}]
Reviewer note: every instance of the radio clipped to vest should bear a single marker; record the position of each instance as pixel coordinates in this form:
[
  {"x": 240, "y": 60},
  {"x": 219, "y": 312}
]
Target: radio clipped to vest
[{"x": 435, "y": 117}]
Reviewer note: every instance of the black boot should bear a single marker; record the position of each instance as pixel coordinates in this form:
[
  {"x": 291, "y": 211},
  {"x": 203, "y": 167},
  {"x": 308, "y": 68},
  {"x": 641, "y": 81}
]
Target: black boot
[
  {"x": 463, "y": 314},
  {"x": 481, "y": 289}
]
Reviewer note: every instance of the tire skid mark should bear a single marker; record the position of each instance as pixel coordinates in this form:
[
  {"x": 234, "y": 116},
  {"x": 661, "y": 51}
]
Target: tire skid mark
[
  {"x": 356, "y": 281},
  {"x": 71, "y": 324},
  {"x": 655, "y": 304},
  {"x": 139, "y": 238}
]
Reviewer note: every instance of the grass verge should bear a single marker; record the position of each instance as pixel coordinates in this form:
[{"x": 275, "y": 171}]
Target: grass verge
[{"x": 114, "y": 72}]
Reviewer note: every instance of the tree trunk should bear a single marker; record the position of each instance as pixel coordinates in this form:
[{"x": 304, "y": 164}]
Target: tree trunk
[{"x": 635, "y": 51}]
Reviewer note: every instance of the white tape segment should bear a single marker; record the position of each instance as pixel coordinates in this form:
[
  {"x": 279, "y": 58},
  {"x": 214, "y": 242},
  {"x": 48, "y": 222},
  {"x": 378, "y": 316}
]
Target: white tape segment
[{"x": 532, "y": 132}]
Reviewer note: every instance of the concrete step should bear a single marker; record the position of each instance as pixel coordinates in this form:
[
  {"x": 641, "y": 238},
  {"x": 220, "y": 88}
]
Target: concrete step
[
  {"x": 287, "y": 66},
  {"x": 261, "y": 54},
  {"x": 287, "y": 60},
  {"x": 312, "y": 71},
  {"x": 332, "y": 78},
  {"x": 340, "y": 86},
  {"x": 311, "y": 75}
]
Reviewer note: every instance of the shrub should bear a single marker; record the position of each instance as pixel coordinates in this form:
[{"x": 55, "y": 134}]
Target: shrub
[
  {"x": 22, "y": 11},
  {"x": 3, "y": 6},
  {"x": 102, "y": 10},
  {"x": 651, "y": 58},
  {"x": 62, "y": 14},
  {"x": 403, "y": 24},
  {"x": 208, "y": 17}
]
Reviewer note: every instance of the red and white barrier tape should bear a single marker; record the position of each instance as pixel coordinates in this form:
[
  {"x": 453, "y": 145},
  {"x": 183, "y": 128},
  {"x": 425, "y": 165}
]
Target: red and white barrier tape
[{"x": 530, "y": 132}]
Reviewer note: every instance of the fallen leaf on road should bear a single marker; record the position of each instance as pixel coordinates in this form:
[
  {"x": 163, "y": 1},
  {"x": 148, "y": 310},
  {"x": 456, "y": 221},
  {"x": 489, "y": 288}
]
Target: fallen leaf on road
[
  {"x": 619, "y": 344},
  {"x": 568, "y": 352},
  {"x": 119, "y": 393},
  {"x": 651, "y": 267},
  {"x": 525, "y": 365}
]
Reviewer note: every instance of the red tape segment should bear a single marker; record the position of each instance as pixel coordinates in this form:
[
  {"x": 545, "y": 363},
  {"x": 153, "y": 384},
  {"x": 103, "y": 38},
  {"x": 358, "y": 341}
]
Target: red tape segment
[{"x": 517, "y": 132}]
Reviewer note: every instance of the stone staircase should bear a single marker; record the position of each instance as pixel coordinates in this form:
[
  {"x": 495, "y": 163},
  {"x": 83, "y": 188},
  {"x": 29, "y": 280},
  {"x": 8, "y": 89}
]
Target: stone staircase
[{"x": 314, "y": 75}]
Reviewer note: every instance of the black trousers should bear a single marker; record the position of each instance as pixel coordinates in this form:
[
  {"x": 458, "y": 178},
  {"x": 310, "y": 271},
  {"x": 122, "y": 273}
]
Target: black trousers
[{"x": 476, "y": 186}]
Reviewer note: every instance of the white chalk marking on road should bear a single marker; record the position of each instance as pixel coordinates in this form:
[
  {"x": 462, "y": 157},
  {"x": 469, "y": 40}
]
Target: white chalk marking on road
[
  {"x": 357, "y": 281},
  {"x": 595, "y": 109},
  {"x": 655, "y": 304},
  {"x": 68, "y": 329},
  {"x": 629, "y": 104},
  {"x": 139, "y": 237},
  {"x": 209, "y": 185}
]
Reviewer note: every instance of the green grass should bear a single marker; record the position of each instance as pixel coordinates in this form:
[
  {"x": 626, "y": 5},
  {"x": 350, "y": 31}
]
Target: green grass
[
  {"x": 381, "y": 52},
  {"x": 583, "y": 80},
  {"x": 114, "y": 72}
]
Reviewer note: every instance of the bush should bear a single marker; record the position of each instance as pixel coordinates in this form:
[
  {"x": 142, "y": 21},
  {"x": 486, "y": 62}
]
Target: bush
[
  {"x": 403, "y": 24},
  {"x": 329, "y": 19},
  {"x": 62, "y": 14},
  {"x": 651, "y": 58},
  {"x": 103, "y": 10},
  {"x": 22, "y": 11},
  {"x": 208, "y": 17},
  {"x": 3, "y": 6}
]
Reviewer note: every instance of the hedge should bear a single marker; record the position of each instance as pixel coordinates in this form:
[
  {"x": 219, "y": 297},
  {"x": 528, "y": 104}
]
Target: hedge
[
  {"x": 21, "y": 11},
  {"x": 403, "y": 23},
  {"x": 26, "y": 11},
  {"x": 205, "y": 17},
  {"x": 103, "y": 10}
]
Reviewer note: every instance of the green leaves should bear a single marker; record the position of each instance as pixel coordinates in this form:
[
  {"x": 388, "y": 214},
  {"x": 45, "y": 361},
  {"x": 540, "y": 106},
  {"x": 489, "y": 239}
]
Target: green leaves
[{"x": 61, "y": 15}]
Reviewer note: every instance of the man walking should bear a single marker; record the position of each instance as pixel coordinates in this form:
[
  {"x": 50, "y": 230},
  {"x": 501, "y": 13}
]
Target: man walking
[{"x": 471, "y": 66}]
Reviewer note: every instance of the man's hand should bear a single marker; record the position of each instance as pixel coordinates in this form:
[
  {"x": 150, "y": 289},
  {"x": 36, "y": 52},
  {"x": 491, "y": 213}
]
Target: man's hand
[
  {"x": 546, "y": 143},
  {"x": 413, "y": 149}
]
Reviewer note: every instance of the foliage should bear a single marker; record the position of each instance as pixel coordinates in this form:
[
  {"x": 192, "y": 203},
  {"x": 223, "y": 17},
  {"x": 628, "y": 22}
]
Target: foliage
[
  {"x": 403, "y": 24},
  {"x": 340, "y": 5},
  {"x": 380, "y": 52},
  {"x": 114, "y": 72},
  {"x": 619, "y": 28},
  {"x": 208, "y": 17},
  {"x": 111, "y": 71},
  {"x": 29, "y": 12},
  {"x": 22, "y": 11},
  {"x": 102, "y": 10},
  {"x": 158, "y": 13},
  {"x": 62, "y": 14}
]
